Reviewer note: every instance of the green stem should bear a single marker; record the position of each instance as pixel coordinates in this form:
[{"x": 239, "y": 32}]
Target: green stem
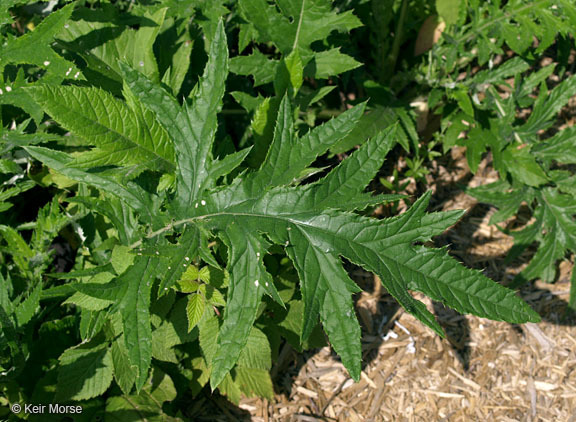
[{"x": 390, "y": 63}]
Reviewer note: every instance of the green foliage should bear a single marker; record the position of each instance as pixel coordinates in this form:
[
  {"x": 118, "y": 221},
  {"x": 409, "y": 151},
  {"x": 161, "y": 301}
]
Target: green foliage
[
  {"x": 534, "y": 167},
  {"x": 292, "y": 26},
  {"x": 203, "y": 233}
]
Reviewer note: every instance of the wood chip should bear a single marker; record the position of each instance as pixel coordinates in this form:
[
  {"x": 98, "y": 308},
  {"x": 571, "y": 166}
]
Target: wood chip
[{"x": 306, "y": 392}]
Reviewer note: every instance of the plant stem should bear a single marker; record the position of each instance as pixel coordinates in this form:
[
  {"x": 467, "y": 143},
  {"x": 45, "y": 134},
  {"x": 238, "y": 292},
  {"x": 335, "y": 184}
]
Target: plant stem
[{"x": 390, "y": 63}]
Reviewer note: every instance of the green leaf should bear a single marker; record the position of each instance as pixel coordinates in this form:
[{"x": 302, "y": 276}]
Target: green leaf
[
  {"x": 332, "y": 62},
  {"x": 267, "y": 208},
  {"x": 28, "y": 307},
  {"x": 16, "y": 190},
  {"x": 449, "y": 10},
  {"x": 545, "y": 110},
  {"x": 512, "y": 67},
  {"x": 295, "y": 69},
  {"x": 19, "y": 249},
  {"x": 315, "y": 239},
  {"x": 208, "y": 337},
  {"x": 18, "y": 96},
  {"x": 172, "y": 332},
  {"x": 123, "y": 136},
  {"x": 556, "y": 230},
  {"x": 257, "y": 353},
  {"x": 560, "y": 211},
  {"x": 464, "y": 101},
  {"x": 520, "y": 163},
  {"x": 306, "y": 100},
  {"x": 131, "y": 293},
  {"x": 5, "y": 16},
  {"x": 195, "y": 309},
  {"x": 121, "y": 258},
  {"x": 326, "y": 291},
  {"x": 188, "y": 248},
  {"x": 85, "y": 371},
  {"x": 560, "y": 147},
  {"x": 88, "y": 302},
  {"x": 257, "y": 65},
  {"x": 134, "y": 306},
  {"x": 313, "y": 223},
  {"x": 103, "y": 43},
  {"x": 285, "y": 160},
  {"x": 370, "y": 125},
  {"x": 255, "y": 381},
  {"x": 543, "y": 263},
  {"x": 179, "y": 58},
  {"x": 144, "y": 406},
  {"x": 249, "y": 280},
  {"x": 227, "y": 164},
  {"x": 62, "y": 163},
  {"x": 340, "y": 188},
  {"x": 34, "y": 47},
  {"x": 192, "y": 128},
  {"x": 124, "y": 372},
  {"x": 298, "y": 24},
  {"x": 501, "y": 195}
]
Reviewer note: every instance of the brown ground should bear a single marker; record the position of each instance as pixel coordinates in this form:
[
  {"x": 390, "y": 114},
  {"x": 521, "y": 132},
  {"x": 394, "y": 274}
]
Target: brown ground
[{"x": 484, "y": 371}]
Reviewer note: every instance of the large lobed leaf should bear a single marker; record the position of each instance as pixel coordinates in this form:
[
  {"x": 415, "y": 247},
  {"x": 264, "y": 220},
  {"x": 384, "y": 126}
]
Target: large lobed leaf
[{"x": 315, "y": 223}]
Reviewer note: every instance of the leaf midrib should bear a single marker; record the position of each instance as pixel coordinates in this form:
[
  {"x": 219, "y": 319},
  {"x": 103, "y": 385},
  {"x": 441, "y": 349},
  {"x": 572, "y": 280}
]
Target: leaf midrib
[{"x": 300, "y": 19}]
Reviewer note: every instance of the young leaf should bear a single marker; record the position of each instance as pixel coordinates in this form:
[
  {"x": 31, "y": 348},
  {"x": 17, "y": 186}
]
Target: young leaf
[{"x": 195, "y": 309}]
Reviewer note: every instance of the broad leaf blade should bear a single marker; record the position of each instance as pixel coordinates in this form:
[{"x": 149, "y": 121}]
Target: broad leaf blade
[{"x": 123, "y": 136}]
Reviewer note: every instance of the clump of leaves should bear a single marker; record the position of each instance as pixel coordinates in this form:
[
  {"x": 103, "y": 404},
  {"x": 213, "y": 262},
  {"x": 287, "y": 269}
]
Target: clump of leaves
[
  {"x": 481, "y": 112},
  {"x": 248, "y": 211},
  {"x": 535, "y": 170}
]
